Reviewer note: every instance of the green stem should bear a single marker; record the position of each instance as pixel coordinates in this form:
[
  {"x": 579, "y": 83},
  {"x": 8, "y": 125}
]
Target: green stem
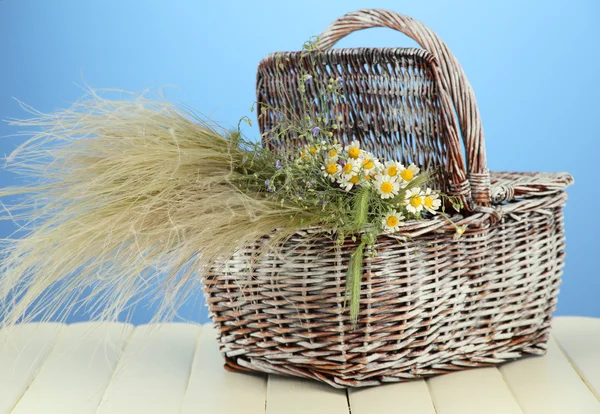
[{"x": 353, "y": 280}]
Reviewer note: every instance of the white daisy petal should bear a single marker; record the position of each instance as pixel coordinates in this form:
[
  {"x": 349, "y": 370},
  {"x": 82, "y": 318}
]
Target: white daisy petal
[
  {"x": 370, "y": 164},
  {"x": 352, "y": 167},
  {"x": 391, "y": 222},
  {"x": 347, "y": 182},
  {"x": 393, "y": 168},
  {"x": 332, "y": 151},
  {"x": 413, "y": 200},
  {"x": 387, "y": 186},
  {"x": 331, "y": 169},
  {"x": 409, "y": 173},
  {"x": 353, "y": 150},
  {"x": 431, "y": 201}
]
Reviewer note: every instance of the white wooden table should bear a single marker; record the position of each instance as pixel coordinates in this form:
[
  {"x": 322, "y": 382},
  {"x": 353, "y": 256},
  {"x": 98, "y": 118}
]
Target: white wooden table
[{"x": 176, "y": 368}]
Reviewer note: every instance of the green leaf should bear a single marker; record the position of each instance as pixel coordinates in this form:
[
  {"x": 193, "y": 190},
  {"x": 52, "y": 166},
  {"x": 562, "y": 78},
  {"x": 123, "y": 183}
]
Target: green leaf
[
  {"x": 353, "y": 281},
  {"x": 361, "y": 208}
]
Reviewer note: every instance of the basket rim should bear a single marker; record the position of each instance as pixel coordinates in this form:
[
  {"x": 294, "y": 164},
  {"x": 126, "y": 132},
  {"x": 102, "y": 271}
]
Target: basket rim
[
  {"x": 411, "y": 52},
  {"x": 527, "y": 188}
]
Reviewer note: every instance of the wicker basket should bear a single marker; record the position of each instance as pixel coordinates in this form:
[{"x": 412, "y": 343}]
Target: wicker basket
[{"x": 430, "y": 302}]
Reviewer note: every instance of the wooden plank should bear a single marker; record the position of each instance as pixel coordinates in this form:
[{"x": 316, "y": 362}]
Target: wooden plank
[
  {"x": 407, "y": 397},
  {"x": 214, "y": 390},
  {"x": 23, "y": 351},
  {"x": 549, "y": 384},
  {"x": 579, "y": 338},
  {"x": 474, "y": 391},
  {"x": 153, "y": 372},
  {"x": 298, "y": 396},
  {"x": 77, "y": 371}
]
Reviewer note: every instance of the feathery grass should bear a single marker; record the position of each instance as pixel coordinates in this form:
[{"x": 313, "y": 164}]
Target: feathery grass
[{"x": 130, "y": 197}]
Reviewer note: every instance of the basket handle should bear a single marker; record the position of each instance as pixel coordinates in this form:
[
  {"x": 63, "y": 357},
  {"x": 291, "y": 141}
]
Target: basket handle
[{"x": 453, "y": 82}]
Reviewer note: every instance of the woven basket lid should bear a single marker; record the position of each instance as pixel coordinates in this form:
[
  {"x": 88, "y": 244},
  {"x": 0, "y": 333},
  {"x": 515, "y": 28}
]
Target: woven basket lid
[
  {"x": 407, "y": 104},
  {"x": 390, "y": 101}
]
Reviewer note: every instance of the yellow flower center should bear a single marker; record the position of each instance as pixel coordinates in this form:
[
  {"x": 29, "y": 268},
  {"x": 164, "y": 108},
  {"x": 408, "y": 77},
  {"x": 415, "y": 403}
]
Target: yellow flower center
[
  {"x": 428, "y": 202},
  {"x": 392, "y": 171},
  {"x": 368, "y": 164},
  {"x": 312, "y": 150},
  {"x": 354, "y": 153},
  {"x": 407, "y": 175},
  {"x": 331, "y": 168},
  {"x": 386, "y": 187},
  {"x": 416, "y": 201},
  {"x": 347, "y": 168},
  {"x": 392, "y": 221},
  {"x": 354, "y": 179},
  {"x": 332, "y": 153}
]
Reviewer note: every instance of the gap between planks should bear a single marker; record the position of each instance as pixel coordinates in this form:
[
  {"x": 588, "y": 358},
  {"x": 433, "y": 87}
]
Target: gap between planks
[
  {"x": 18, "y": 375},
  {"x": 579, "y": 340},
  {"x": 153, "y": 374},
  {"x": 216, "y": 391},
  {"x": 77, "y": 370}
]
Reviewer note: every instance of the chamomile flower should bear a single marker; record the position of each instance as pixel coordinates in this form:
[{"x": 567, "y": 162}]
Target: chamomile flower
[
  {"x": 313, "y": 149},
  {"x": 413, "y": 200},
  {"x": 331, "y": 169},
  {"x": 460, "y": 230},
  {"x": 368, "y": 179},
  {"x": 391, "y": 222},
  {"x": 386, "y": 186},
  {"x": 349, "y": 175},
  {"x": 431, "y": 201},
  {"x": 393, "y": 168},
  {"x": 304, "y": 156},
  {"x": 368, "y": 161},
  {"x": 347, "y": 182},
  {"x": 378, "y": 171},
  {"x": 332, "y": 151},
  {"x": 352, "y": 167},
  {"x": 353, "y": 150},
  {"x": 408, "y": 173}
]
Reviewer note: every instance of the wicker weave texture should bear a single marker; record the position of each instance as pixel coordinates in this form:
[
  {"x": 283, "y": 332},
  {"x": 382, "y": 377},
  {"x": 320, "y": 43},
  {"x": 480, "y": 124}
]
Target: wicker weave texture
[
  {"x": 391, "y": 102},
  {"x": 430, "y": 303}
]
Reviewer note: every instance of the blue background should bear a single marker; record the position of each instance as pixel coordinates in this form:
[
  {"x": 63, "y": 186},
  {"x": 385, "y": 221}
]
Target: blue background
[{"x": 534, "y": 66}]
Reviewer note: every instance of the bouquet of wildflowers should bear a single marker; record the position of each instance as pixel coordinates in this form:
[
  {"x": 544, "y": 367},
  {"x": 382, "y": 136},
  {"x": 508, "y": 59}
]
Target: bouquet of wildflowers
[{"x": 354, "y": 193}]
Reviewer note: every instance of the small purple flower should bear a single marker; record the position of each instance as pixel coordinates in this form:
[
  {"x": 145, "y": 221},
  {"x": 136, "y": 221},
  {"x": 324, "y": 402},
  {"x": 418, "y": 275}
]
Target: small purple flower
[
  {"x": 268, "y": 186},
  {"x": 340, "y": 80},
  {"x": 278, "y": 165},
  {"x": 342, "y": 162},
  {"x": 307, "y": 79},
  {"x": 315, "y": 131}
]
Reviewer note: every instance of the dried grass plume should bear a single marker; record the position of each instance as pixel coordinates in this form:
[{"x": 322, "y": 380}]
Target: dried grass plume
[{"x": 128, "y": 199}]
